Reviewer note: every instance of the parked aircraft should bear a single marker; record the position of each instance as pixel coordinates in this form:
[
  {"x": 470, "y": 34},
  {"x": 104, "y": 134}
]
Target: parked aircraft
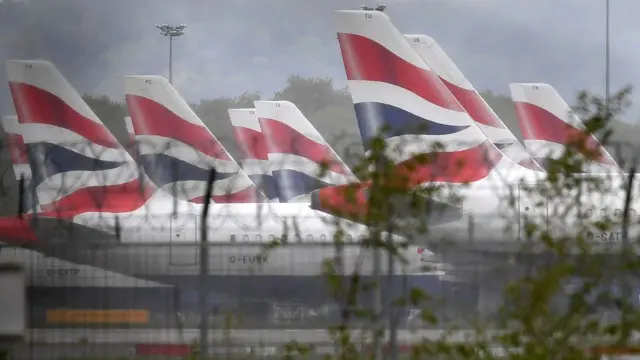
[
  {"x": 300, "y": 159},
  {"x": 392, "y": 87},
  {"x": 549, "y": 125},
  {"x": 145, "y": 236},
  {"x": 481, "y": 113},
  {"x": 42, "y": 270},
  {"x": 253, "y": 150},
  {"x": 177, "y": 150}
]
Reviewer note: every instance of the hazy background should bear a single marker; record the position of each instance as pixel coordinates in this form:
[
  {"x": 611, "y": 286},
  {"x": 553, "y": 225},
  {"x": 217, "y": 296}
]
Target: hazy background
[
  {"x": 254, "y": 47},
  {"x": 240, "y": 45}
]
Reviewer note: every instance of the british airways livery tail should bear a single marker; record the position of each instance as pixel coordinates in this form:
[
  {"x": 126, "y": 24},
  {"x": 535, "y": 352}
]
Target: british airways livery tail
[
  {"x": 251, "y": 143},
  {"x": 177, "y": 150},
  {"x": 77, "y": 164},
  {"x": 131, "y": 143},
  {"x": 300, "y": 159},
  {"x": 399, "y": 97},
  {"x": 485, "y": 118},
  {"x": 549, "y": 125}
]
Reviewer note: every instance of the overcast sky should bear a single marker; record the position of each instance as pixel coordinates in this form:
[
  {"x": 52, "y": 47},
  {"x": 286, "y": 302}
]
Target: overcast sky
[{"x": 245, "y": 45}]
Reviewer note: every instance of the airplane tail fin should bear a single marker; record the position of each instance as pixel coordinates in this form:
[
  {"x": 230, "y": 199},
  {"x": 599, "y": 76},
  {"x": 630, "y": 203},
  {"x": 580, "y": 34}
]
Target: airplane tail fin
[
  {"x": 251, "y": 143},
  {"x": 299, "y": 157},
  {"x": 132, "y": 144},
  {"x": 128, "y": 124},
  {"x": 483, "y": 115},
  {"x": 549, "y": 125},
  {"x": 77, "y": 164},
  {"x": 176, "y": 148},
  {"x": 397, "y": 96},
  {"x": 429, "y": 137}
]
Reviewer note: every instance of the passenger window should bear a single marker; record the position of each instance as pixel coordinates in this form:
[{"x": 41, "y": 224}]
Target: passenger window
[
  {"x": 232, "y": 238},
  {"x": 617, "y": 213},
  {"x": 298, "y": 238},
  {"x": 259, "y": 238},
  {"x": 350, "y": 238},
  {"x": 272, "y": 238},
  {"x": 632, "y": 214},
  {"x": 245, "y": 238},
  {"x": 323, "y": 237},
  {"x": 310, "y": 237}
]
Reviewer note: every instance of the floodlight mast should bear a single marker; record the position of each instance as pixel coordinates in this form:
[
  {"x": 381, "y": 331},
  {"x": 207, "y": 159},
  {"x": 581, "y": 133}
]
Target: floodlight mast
[
  {"x": 379, "y": 7},
  {"x": 171, "y": 31}
]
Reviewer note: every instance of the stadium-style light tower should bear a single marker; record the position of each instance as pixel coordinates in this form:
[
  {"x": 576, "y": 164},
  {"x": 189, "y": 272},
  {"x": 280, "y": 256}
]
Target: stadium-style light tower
[
  {"x": 380, "y": 7},
  {"x": 171, "y": 31}
]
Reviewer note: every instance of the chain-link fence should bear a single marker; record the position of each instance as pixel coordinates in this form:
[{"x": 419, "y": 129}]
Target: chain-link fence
[{"x": 131, "y": 276}]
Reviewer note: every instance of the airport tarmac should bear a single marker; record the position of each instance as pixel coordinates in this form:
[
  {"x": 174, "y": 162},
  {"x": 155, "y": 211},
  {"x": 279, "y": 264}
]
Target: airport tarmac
[
  {"x": 241, "y": 336},
  {"x": 123, "y": 351}
]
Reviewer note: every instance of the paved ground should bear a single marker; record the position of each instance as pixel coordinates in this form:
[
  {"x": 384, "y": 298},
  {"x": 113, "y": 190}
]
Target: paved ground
[
  {"x": 78, "y": 344},
  {"x": 240, "y": 337}
]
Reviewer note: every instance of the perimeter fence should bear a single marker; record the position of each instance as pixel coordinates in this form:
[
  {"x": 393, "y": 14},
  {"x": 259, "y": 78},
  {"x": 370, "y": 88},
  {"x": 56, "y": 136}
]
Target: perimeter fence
[{"x": 130, "y": 260}]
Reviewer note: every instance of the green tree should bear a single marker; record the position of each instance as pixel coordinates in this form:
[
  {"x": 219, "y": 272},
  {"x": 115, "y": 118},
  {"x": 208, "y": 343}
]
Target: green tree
[
  {"x": 540, "y": 318},
  {"x": 112, "y": 114},
  {"x": 503, "y": 107},
  {"x": 312, "y": 94},
  {"x": 214, "y": 114}
]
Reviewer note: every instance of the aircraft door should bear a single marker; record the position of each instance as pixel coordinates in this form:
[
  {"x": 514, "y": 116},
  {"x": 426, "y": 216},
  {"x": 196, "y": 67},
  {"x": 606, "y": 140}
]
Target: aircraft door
[{"x": 184, "y": 247}]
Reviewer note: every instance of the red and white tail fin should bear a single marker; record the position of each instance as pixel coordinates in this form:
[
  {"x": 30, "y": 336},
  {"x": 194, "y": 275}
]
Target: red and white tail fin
[
  {"x": 177, "y": 150},
  {"x": 484, "y": 117},
  {"x": 131, "y": 146},
  {"x": 251, "y": 143},
  {"x": 78, "y": 166},
  {"x": 549, "y": 125},
  {"x": 297, "y": 152},
  {"x": 399, "y": 97},
  {"x": 128, "y": 124},
  {"x": 394, "y": 90}
]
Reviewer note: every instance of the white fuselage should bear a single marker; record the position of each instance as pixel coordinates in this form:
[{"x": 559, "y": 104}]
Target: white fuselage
[
  {"x": 154, "y": 242},
  {"x": 46, "y": 271},
  {"x": 158, "y": 243},
  {"x": 496, "y": 209}
]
